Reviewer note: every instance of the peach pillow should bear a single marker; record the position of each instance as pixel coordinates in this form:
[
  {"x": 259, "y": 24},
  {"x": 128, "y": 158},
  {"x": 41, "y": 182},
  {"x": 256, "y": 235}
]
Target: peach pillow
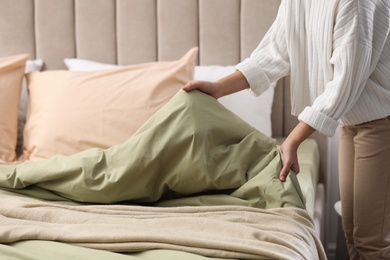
[
  {"x": 11, "y": 76},
  {"x": 73, "y": 111}
]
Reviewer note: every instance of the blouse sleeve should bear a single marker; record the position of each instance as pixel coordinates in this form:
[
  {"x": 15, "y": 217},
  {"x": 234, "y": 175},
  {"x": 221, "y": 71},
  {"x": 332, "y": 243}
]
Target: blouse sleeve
[
  {"x": 358, "y": 41},
  {"x": 269, "y": 61}
]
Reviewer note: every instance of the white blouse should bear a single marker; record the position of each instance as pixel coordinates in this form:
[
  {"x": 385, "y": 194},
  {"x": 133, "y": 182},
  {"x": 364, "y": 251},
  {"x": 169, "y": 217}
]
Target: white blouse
[{"x": 337, "y": 53}]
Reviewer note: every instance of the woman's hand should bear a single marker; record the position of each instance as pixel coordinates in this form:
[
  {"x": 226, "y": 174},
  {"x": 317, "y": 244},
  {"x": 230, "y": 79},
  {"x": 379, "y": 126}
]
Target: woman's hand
[
  {"x": 207, "y": 87},
  {"x": 290, "y": 146},
  {"x": 225, "y": 86},
  {"x": 290, "y": 159}
]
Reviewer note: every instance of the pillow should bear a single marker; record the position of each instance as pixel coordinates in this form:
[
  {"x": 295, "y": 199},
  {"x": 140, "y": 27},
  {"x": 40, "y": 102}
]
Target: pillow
[
  {"x": 31, "y": 65},
  {"x": 11, "y": 75},
  {"x": 75, "y": 64},
  {"x": 72, "y": 111},
  {"x": 254, "y": 110}
]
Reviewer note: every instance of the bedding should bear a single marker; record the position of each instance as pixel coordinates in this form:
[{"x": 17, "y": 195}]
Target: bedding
[{"x": 194, "y": 166}]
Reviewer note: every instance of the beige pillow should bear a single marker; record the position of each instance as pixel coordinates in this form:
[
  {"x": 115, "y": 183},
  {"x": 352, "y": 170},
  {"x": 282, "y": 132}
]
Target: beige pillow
[
  {"x": 11, "y": 76},
  {"x": 72, "y": 111}
]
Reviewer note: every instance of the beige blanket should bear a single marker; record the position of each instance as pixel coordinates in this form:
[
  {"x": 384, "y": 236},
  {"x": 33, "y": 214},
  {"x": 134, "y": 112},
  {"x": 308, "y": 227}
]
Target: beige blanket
[{"x": 216, "y": 231}]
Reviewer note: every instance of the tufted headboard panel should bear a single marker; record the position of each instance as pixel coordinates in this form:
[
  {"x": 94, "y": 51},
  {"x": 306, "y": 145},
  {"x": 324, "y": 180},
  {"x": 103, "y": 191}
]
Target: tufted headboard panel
[{"x": 134, "y": 31}]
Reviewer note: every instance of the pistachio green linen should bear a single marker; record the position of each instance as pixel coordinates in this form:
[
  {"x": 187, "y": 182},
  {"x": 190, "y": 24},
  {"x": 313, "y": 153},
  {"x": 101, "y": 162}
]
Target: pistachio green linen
[
  {"x": 193, "y": 151},
  {"x": 49, "y": 250}
]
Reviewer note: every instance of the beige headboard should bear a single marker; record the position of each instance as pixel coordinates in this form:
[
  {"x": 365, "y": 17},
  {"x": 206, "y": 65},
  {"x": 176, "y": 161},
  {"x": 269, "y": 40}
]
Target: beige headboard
[{"x": 135, "y": 31}]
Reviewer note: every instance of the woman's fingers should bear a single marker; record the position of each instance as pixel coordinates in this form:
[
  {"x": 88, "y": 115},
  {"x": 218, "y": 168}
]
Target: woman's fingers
[
  {"x": 204, "y": 86},
  {"x": 286, "y": 170},
  {"x": 190, "y": 85},
  {"x": 290, "y": 160}
]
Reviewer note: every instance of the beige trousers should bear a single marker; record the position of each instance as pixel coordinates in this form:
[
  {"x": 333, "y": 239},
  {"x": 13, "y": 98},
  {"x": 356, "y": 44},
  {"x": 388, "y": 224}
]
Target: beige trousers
[{"x": 365, "y": 188}]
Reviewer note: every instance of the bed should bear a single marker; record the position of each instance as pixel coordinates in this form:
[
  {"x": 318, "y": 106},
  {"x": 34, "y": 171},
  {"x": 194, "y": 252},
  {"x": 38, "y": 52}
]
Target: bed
[{"x": 103, "y": 156}]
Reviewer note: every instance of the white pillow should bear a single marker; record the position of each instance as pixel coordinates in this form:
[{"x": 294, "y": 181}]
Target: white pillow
[
  {"x": 254, "y": 110},
  {"x": 31, "y": 66},
  {"x": 86, "y": 65}
]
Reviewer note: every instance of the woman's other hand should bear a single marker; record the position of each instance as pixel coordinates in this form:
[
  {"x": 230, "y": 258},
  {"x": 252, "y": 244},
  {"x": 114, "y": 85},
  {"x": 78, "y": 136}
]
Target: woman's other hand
[
  {"x": 290, "y": 159},
  {"x": 290, "y": 146}
]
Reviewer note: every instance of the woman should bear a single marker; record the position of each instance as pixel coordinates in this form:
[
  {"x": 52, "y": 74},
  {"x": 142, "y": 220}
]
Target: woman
[{"x": 338, "y": 55}]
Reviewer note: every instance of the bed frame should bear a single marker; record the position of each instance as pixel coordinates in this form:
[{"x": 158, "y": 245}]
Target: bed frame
[
  {"x": 128, "y": 32},
  {"x": 134, "y": 31}
]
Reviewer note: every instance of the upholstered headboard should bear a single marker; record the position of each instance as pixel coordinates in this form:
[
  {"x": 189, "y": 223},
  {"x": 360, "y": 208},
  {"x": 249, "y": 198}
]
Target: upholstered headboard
[{"x": 134, "y": 31}]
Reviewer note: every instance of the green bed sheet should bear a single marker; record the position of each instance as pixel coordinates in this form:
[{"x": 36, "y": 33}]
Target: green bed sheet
[{"x": 192, "y": 152}]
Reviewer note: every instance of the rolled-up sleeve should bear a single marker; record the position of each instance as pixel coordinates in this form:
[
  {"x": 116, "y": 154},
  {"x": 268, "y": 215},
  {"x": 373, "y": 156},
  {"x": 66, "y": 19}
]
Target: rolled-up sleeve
[{"x": 269, "y": 61}]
